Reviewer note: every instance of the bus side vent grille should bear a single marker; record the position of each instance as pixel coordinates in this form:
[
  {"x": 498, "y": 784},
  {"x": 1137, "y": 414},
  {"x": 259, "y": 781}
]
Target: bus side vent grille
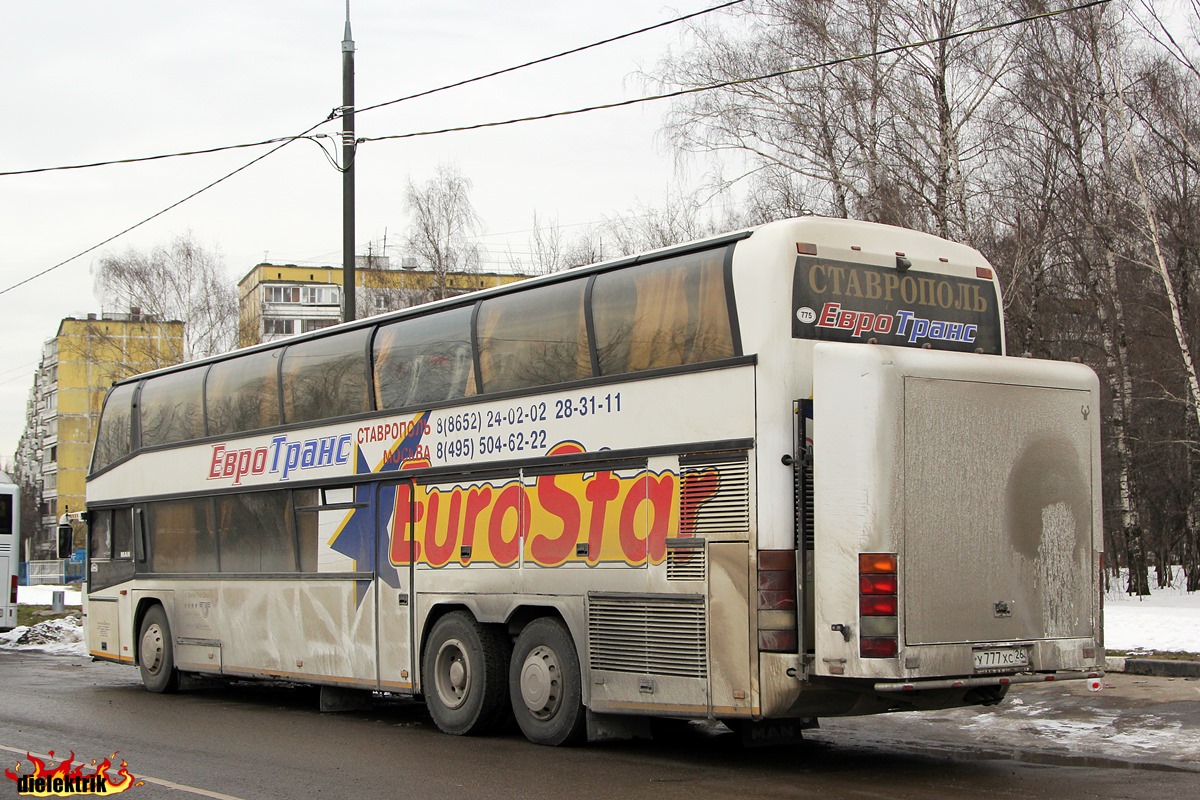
[
  {"x": 714, "y": 495},
  {"x": 649, "y": 638},
  {"x": 686, "y": 564}
]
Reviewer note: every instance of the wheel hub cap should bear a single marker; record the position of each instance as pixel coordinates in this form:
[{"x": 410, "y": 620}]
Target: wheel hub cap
[
  {"x": 541, "y": 682},
  {"x": 452, "y": 674},
  {"x": 152, "y": 649}
]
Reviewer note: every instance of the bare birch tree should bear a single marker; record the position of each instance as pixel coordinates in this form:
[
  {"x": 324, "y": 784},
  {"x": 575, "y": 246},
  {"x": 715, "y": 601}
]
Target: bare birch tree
[
  {"x": 1065, "y": 87},
  {"x": 892, "y": 138},
  {"x": 178, "y": 281},
  {"x": 442, "y": 221}
]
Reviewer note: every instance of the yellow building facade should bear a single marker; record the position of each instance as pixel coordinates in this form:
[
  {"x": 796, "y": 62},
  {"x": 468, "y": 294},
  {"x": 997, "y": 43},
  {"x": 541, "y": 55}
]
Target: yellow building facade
[
  {"x": 77, "y": 368},
  {"x": 278, "y": 300}
]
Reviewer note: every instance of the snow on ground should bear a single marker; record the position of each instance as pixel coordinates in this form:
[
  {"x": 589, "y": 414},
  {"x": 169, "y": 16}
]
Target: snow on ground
[
  {"x": 44, "y": 595},
  {"x": 1167, "y": 620}
]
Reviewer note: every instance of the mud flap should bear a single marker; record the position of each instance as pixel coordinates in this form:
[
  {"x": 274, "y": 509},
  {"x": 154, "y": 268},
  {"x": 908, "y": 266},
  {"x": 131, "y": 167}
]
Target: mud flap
[
  {"x": 616, "y": 727},
  {"x": 768, "y": 733}
]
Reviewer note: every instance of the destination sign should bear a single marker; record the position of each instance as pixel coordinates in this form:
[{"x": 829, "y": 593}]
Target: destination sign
[{"x": 840, "y": 301}]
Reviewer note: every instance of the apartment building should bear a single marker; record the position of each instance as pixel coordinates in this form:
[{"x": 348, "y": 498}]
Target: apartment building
[
  {"x": 77, "y": 367},
  {"x": 278, "y": 300}
]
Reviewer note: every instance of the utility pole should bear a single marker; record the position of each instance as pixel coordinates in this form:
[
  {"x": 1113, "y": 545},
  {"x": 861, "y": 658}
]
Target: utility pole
[{"x": 348, "y": 156}]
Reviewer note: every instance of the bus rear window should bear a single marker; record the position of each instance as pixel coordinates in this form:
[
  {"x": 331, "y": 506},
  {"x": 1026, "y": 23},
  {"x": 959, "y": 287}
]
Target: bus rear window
[
  {"x": 113, "y": 435},
  {"x": 841, "y": 301}
]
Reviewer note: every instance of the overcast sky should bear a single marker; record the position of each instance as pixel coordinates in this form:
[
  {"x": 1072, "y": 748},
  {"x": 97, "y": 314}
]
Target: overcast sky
[{"x": 96, "y": 81}]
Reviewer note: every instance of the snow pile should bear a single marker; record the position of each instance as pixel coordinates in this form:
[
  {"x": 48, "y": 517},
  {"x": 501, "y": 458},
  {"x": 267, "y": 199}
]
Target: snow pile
[
  {"x": 1139, "y": 736},
  {"x": 62, "y": 636},
  {"x": 1166, "y": 621}
]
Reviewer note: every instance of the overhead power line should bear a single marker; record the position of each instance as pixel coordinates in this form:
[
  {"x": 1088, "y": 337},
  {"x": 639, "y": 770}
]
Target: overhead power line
[
  {"x": 283, "y": 143},
  {"x": 740, "y": 81},
  {"x": 544, "y": 59},
  {"x": 337, "y": 112},
  {"x": 159, "y": 157}
]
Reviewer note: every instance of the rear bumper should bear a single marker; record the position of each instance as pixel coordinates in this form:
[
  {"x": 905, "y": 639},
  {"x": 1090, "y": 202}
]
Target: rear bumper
[{"x": 985, "y": 680}]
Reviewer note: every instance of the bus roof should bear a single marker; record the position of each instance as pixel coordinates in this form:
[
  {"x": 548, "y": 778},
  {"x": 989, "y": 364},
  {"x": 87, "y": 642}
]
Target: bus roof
[{"x": 469, "y": 298}]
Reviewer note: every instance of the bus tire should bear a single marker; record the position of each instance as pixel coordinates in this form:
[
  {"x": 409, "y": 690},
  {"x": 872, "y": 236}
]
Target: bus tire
[
  {"x": 463, "y": 675},
  {"x": 544, "y": 684},
  {"x": 156, "y": 652}
]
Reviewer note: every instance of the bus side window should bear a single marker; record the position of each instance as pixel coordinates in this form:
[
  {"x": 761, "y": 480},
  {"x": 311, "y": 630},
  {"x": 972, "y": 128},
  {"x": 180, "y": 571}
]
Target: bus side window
[
  {"x": 304, "y": 507},
  {"x": 7, "y": 514},
  {"x": 325, "y": 377},
  {"x": 110, "y": 547},
  {"x": 122, "y": 534},
  {"x": 113, "y": 440},
  {"x": 180, "y": 536},
  {"x": 242, "y": 394},
  {"x": 100, "y": 535},
  {"x": 534, "y": 338},
  {"x": 253, "y": 533},
  {"x": 424, "y": 359},
  {"x": 662, "y": 314},
  {"x": 172, "y": 408}
]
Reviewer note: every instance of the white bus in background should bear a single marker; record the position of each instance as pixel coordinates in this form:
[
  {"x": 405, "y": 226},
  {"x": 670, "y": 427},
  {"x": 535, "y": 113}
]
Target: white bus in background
[
  {"x": 10, "y": 558},
  {"x": 771, "y": 476}
]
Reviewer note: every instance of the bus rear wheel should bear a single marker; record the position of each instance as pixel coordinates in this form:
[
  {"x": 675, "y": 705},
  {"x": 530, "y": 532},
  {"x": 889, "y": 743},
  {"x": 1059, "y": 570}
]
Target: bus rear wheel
[
  {"x": 544, "y": 684},
  {"x": 463, "y": 675},
  {"x": 156, "y": 653}
]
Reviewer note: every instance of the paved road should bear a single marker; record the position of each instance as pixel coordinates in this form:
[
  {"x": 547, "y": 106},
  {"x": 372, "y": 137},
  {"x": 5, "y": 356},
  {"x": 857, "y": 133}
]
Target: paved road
[{"x": 254, "y": 741}]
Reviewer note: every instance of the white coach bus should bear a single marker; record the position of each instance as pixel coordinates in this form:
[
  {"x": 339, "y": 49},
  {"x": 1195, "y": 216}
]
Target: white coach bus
[{"x": 775, "y": 475}]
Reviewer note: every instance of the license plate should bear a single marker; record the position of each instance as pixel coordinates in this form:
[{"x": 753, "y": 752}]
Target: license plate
[{"x": 1002, "y": 658}]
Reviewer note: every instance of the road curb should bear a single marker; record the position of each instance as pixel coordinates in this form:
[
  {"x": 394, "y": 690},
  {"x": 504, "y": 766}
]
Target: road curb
[{"x": 1155, "y": 667}]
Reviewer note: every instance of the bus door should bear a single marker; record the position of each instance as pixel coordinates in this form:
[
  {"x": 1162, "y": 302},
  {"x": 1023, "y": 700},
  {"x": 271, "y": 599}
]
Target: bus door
[
  {"x": 9, "y": 521},
  {"x": 8, "y": 605},
  {"x": 396, "y": 513}
]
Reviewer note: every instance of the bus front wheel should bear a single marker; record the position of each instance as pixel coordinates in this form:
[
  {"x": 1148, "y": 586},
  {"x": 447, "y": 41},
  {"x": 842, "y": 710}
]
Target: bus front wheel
[
  {"x": 463, "y": 675},
  {"x": 544, "y": 684},
  {"x": 156, "y": 653}
]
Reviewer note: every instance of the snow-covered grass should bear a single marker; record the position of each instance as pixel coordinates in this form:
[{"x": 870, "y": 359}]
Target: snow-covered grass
[
  {"x": 1166, "y": 621},
  {"x": 44, "y": 595}
]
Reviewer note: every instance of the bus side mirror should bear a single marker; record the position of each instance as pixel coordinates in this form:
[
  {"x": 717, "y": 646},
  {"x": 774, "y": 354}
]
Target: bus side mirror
[{"x": 66, "y": 540}]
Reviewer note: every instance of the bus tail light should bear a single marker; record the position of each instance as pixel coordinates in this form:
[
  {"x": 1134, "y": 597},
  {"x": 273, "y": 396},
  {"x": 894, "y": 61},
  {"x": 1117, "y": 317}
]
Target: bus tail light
[
  {"x": 777, "y": 602},
  {"x": 13, "y": 595},
  {"x": 878, "y": 605}
]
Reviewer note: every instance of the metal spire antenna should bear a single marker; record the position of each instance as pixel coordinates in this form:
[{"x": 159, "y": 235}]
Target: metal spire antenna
[{"x": 348, "y": 157}]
